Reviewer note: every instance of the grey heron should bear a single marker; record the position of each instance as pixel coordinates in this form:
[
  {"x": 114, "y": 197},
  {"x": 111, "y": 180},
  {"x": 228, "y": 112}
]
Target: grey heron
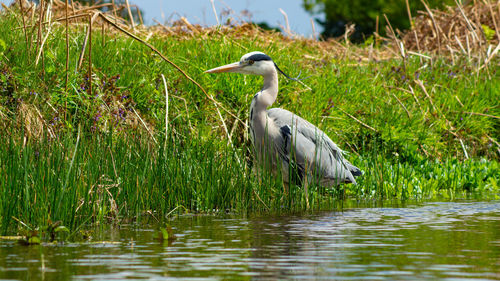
[{"x": 285, "y": 139}]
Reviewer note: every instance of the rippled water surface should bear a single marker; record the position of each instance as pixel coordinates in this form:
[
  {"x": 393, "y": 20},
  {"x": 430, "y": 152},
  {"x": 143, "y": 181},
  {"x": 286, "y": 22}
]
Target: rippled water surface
[{"x": 449, "y": 241}]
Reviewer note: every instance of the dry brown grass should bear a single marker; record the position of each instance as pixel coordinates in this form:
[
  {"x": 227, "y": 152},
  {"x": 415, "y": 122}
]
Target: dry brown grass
[
  {"x": 458, "y": 29},
  {"x": 32, "y": 122},
  {"x": 455, "y": 30}
]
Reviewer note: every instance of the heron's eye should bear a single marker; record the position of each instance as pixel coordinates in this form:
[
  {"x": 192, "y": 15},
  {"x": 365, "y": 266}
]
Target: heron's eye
[{"x": 250, "y": 62}]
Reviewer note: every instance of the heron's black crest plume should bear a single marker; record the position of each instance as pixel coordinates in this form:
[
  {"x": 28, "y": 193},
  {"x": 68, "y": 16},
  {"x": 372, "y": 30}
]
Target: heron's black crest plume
[
  {"x": 259, "y": 57},
  {"x": 294, "y": 79}
]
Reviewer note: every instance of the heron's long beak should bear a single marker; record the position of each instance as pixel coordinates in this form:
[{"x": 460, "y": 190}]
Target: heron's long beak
[{"x": 232, "y": 67}]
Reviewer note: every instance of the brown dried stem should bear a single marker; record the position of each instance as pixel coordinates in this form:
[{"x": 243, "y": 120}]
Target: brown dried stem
[
  {"x": 357, "y": 120},
  {"x": 24, "y": 28},
  {"x": 90, "y": 54},
  {"x": 130, "y": 15},
  {"x": 39, "y": 40},
  {"x": 67, "y": 52}
]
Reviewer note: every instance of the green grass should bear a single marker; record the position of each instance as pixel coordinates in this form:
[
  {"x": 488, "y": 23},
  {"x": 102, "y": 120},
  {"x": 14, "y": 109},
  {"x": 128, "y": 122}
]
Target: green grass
[
  {"x": 101, "y": 179},
  {"x": 127, "y": 74},
  {"x": 85, "y": 178},
  {"x": 83, "y": 158}
]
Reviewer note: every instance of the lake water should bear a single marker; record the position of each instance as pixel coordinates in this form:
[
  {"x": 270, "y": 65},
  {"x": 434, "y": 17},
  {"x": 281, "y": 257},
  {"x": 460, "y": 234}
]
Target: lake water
[{"x": 446, "y": 241}]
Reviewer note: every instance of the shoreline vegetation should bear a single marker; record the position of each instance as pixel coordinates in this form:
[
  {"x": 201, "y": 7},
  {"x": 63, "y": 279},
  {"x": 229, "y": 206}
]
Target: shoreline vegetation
[{"x": 90, "y": 135}]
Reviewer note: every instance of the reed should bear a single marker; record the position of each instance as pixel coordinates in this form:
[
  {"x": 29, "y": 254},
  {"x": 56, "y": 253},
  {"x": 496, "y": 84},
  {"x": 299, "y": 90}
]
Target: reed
[{"x": 100, "y": 178}]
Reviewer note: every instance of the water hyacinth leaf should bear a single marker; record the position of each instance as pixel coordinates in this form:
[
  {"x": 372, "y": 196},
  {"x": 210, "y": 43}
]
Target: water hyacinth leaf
[
  {"x": 30, "y": 240},
  {"x": 165, "y": 234},
  {"x": 61, "y": 228},
  {"x": 35, "y": 240}
]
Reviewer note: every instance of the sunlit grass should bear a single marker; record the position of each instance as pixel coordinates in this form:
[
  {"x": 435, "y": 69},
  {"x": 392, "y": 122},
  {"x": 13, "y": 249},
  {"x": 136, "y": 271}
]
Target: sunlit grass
[
  {"x": 82, "y": 158},
  {"x": 101, "y": 179},
  {"x": 455, "y": 114}
]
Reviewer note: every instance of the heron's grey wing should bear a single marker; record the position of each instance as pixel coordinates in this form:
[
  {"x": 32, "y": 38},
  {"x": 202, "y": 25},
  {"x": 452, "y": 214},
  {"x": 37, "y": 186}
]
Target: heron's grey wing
[{"x": 312, "y": 144}]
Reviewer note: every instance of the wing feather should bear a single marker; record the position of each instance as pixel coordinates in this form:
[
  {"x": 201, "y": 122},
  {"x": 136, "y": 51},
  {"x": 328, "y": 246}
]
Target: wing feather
[{"x": 313, "y": 146}]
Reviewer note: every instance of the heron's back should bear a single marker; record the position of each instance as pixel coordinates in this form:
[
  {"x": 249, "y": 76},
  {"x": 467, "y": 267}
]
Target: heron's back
[{"x": 312, "y": 148}]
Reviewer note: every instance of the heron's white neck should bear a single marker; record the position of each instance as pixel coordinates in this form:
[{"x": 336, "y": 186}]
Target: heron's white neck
[
  {"x": 263, "y": 99},
  {"x": 267, "y": 96},
  {"x": 260, "y": 125}
]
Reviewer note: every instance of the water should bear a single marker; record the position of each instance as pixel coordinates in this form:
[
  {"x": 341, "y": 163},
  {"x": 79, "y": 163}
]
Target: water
[{"x": 447, "y": 241}]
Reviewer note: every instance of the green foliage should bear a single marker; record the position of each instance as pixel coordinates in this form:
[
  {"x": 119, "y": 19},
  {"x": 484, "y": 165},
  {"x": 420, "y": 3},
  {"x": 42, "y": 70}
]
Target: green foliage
[
  {"x": 114, "y": 179},
  {"x": 165, "y": 233},
  {"x": 33, "y": 236},
  {"x": 127, "y": 79},
  {"x": 3, "y": 46},
  {"x": 364, "y": 13},
  {"x": 82, "y": 158},
  {"x": 488, "y": 32}
]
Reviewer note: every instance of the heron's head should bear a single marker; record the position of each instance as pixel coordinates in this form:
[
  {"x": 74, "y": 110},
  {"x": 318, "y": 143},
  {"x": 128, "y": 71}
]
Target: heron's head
[{"x": 256, "y": 63}]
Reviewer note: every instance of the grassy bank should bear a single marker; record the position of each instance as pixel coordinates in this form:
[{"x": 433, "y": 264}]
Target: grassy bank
[
  {"x": 87, "y": 178},
  {"x": 436, "y": 107},
  {"x": 419, "y": 127}
]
